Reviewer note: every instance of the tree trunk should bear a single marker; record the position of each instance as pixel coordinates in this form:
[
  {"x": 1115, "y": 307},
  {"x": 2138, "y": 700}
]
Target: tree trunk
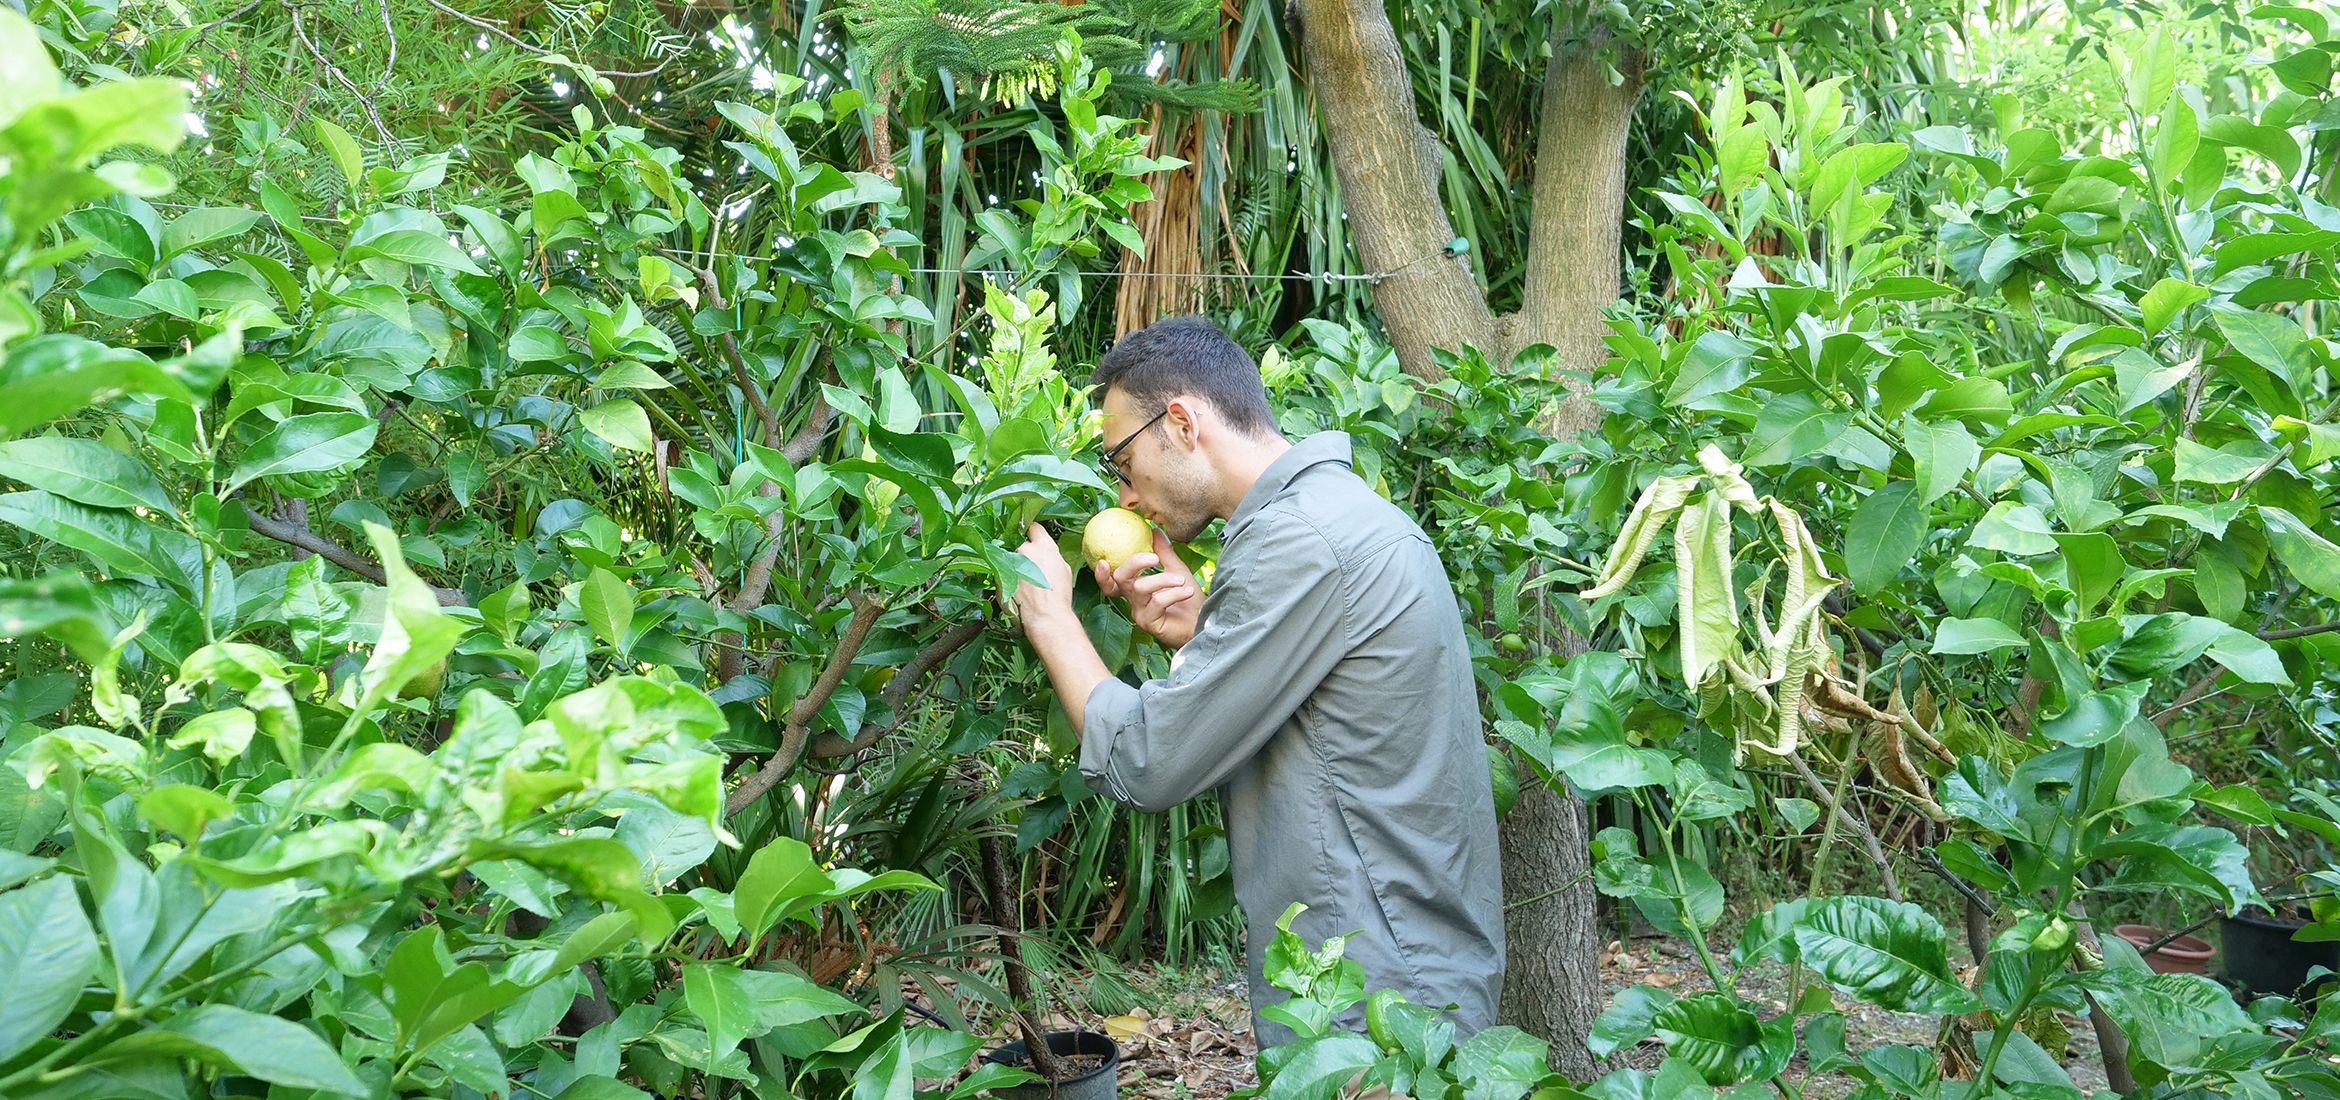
[
  {"x": 1387, "y": 164},
  {"x": 1552, "y": 984}
]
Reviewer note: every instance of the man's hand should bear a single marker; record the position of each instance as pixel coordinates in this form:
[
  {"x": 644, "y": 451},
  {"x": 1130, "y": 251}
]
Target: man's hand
[
  {"x": 1164, "y": 604},
  {"x": 1044, "y": 605}
]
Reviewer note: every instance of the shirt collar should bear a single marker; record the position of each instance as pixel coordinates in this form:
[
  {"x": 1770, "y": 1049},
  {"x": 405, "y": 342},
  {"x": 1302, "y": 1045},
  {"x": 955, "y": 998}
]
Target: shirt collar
[{"x": 1315, "y": 450}]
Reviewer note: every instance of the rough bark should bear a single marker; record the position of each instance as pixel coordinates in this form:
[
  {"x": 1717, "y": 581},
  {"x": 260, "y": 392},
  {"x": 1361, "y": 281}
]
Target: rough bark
[
  {"x": 1358, "y": 75},
  {"x": 1551, "y": 978}
]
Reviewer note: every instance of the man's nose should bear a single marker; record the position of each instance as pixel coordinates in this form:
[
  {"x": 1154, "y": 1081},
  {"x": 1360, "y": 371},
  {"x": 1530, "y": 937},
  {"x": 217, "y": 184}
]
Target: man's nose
[{"x": 1129, "y": 497}]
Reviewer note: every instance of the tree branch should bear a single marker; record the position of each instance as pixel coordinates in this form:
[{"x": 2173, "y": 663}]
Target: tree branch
[
  {"x": 1859, "y": 827},
  {"x": 2298, "y": 631},
  {"x": 1006, "y": 918},
  {"x": 807, "y": 439},
  {"x": 298, "y": 536},
  {"x": 797, "y": 726},
  {"x": 828, "y": 745}
]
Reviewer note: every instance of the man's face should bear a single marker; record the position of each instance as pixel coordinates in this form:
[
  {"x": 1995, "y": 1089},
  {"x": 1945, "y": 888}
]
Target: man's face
[{"x": 1160, "y": 474}]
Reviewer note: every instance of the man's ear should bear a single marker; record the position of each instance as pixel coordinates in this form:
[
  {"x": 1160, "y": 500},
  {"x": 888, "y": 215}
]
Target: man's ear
[{"x": 1185, "y": 420}]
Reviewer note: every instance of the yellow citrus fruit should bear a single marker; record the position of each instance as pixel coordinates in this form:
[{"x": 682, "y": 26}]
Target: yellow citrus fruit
[{"x": 1115, "y": 535}]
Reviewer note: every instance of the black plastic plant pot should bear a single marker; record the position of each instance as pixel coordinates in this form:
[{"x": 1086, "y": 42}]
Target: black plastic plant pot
[
  {"x": 2262, "y": 957},
  {"x": 1094, "y": 1084}
]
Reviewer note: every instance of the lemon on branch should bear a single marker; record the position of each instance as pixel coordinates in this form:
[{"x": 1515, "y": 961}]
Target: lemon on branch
[{"x": 1114, "y": 536}]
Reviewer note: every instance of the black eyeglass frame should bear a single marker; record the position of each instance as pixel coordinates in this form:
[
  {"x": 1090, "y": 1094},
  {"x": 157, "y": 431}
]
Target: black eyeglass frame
[{"x": 1110, "y": 459}]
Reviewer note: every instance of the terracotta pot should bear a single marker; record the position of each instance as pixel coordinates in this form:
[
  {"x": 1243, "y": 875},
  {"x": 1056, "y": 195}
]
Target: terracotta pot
[{"x": 2183, "y": 955}]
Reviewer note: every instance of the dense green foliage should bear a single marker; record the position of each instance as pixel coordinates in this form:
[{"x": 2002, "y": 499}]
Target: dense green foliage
[{"x": 526, "y": 615}]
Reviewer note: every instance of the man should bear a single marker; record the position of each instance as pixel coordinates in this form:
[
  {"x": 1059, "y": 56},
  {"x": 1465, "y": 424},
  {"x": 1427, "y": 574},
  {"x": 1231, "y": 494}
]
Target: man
[{"x": 1323, "y": 683}]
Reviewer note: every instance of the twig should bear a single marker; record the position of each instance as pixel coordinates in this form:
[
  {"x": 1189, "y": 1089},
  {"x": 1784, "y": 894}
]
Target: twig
[
  {"x": 539, "y": 50},
  {"x": 300, "y": 537},
  {"x": 739, "y": 371},
  {"x": 301, "y": 32},
  {"x": 1859, "y": 827},
  {"x": 2298, "y": 631},
  {"x": 796, "y": 728},
  {"x": 808, "y": 437},
  {"x": 828, "y": 745},
  {"x": 1005, "y": 916},
  {"x": 1932, "y": 862},
  {"x": 2111, "y": 1041},
  {"x": 389, "y": 67}
]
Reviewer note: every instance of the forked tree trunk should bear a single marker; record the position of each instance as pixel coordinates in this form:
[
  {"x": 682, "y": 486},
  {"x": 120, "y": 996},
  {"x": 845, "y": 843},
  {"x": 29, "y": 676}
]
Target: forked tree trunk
[{"x": 1387, "y": 165}]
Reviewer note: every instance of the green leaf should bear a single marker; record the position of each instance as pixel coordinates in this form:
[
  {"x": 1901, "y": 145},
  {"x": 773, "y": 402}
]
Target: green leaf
[
  {"x": 738, "y": 1003},
  {"x": 2086, "y": 195},
  {"x": 49, "y": 376},
  {"x": 115, "y": 233},
  {"x": 307, "y": 443},
  {"x": 83, "y": 470},
  {"x": 1792, "y": 427},
  {"x": 538, "y": 344},
  {"x": 2198, "y": 859},
  {"x": 2092, "y": 565},
  {"x": 2013, "y": 528},
  {"x": 1500, "y": 1063},
  {"x": 171, "y": 296},
  {"x": 1722, "y": 1038},
  {"x": 32, "y": 77},
  {"x": 418, "y": 247},
  {"x": 621, "y": 423},
  {"x": 1717, "y": 363},
  {"x": 1979, "y": 398},
  {"x": 344, "y": 151},
  {"x": 1885, "y": 533},
  {"x": 1628, "y": 1020},
  {"x": 2248, "y": 657},
  {"x": 184, "y": 808},
  {"x": 779, "y": 873},
  {"x": 47, "y": 952},
  {"x": 608, "y": 603},
  {"x": 1940, "y": 454},
  {"x": 2149, "y": 76},
  {"x": 2272, "y": 341},
  {"x": 2321, "y": 441},
  {"x": 417, "y": 633},
  {"x": 627, "y": 374},
  {"x": 2166, "y": 300},
  {"x": 2171, "y": 1019},
  {"x": 2094, "y": 717},
  {"x": 924, "y": 454},
  {"x": 1956, "y": 635},
  {"x": 276, "y": 1051},
  {"x": 2309, "y": 556},
  {"x": 118, "y": 541},
  {"x": 1317, "y": 1069},
  {"x": 2222, "y": 465},
  {"x": 204, "y": 225},
  {"x": 1891, "y": 954}
]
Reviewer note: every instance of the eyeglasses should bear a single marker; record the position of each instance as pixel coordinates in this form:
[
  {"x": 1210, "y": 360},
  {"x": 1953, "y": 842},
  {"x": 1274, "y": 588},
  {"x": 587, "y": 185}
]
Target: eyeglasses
[{"x": 1111, "y": 461}]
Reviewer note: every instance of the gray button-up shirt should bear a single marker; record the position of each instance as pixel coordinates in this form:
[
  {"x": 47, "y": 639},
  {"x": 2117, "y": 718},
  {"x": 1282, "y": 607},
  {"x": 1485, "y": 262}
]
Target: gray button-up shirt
[{"x": 1328, "y": 692}]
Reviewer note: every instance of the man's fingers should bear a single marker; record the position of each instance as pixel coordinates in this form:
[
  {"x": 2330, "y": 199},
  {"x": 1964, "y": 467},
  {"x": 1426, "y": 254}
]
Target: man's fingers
[
  {"x": 1166, "y": 553},
  {"x": 1134, "y": 568},
  {"x": 1163, "y": 587}
]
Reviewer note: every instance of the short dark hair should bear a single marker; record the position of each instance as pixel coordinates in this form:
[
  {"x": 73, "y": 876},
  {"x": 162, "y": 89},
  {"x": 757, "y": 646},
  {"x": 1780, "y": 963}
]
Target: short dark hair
[{"x": 1187, "y": 355}]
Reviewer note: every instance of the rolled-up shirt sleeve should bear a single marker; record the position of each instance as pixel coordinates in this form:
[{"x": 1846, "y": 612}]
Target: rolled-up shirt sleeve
[{"x": 1274, "y": 627}]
